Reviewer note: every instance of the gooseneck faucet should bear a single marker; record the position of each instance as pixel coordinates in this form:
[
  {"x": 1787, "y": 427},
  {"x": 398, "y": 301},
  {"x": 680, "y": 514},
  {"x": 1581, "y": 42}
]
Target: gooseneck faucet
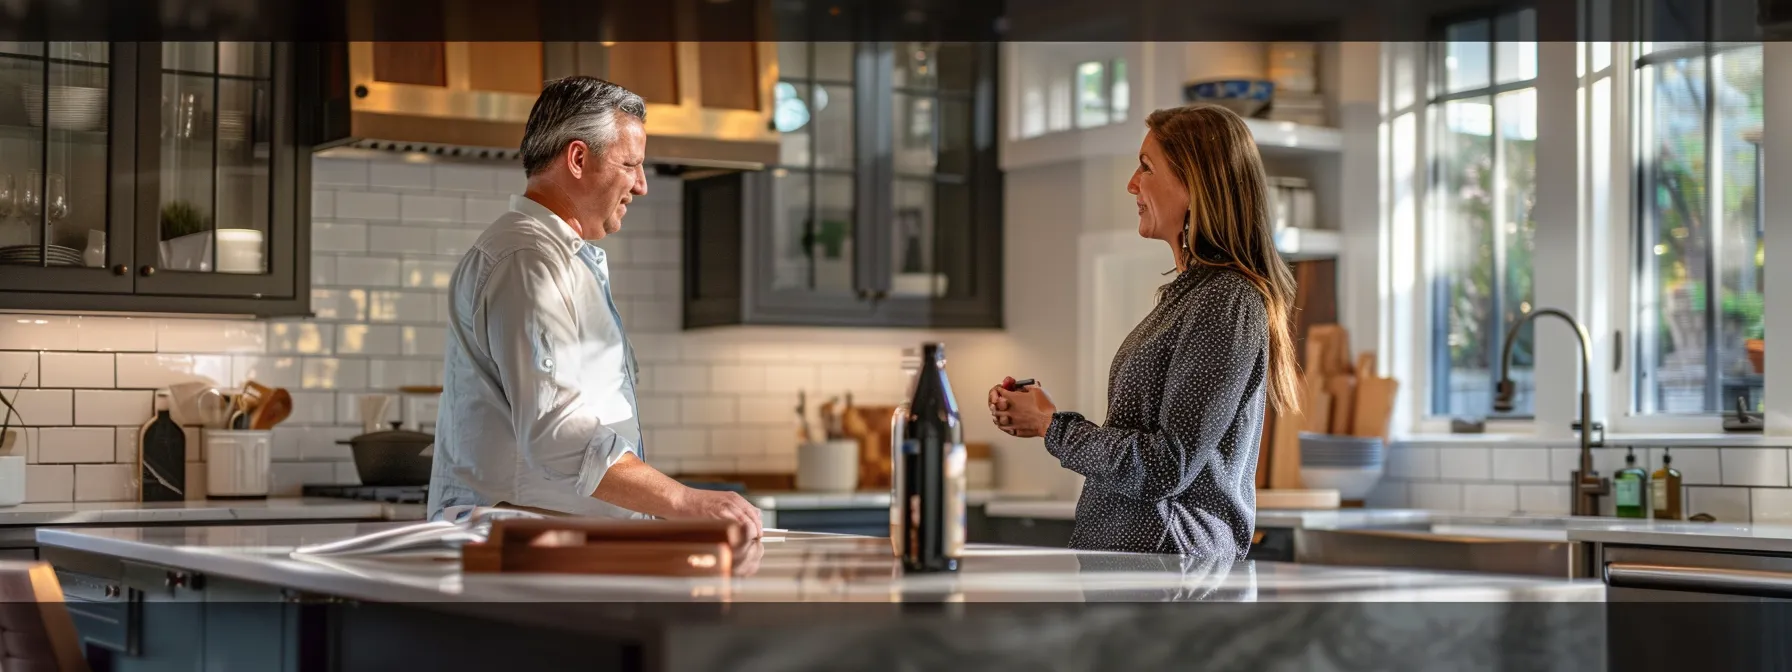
[{"x": 1586, "y": 486}]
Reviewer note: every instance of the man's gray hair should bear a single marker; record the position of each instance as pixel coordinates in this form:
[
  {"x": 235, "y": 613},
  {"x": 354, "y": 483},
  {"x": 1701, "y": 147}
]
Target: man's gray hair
[{"x": 575, "y": 108}]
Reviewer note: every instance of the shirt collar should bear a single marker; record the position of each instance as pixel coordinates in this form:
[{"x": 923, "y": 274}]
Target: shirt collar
[{"x": 564, "y": 232}]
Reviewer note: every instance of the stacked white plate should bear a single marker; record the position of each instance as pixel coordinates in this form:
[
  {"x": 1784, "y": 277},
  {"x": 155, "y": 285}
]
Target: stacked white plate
[
  {"x": 72, "y": 108},
  {"x": 1352, "y": 465},
  {"x": 28, "y": 254}
]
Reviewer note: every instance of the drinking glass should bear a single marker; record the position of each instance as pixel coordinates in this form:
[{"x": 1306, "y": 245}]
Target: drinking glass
[
  {"x": 31, "y": 196},
  {"x": 56, "y": 198},
  {"x": 8, "y": 192}
]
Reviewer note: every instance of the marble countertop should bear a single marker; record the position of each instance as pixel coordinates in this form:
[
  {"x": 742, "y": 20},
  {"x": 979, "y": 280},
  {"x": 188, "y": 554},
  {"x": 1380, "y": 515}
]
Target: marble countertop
[
  {"x": 1296, "y": 518},
  {"x": 795, "y": 567},
  {"x": 797, "y": 500},
  {"x": 1758, "y": 537},
  {"x": 199, "y": 511}
]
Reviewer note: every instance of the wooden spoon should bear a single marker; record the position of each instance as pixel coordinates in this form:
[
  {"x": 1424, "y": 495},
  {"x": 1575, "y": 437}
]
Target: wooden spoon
[{"x": 274, "y": 408}]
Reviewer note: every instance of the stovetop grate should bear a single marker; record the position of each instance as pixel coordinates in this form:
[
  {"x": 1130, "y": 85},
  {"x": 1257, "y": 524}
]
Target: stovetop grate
[{"x": 396, "y": 494}]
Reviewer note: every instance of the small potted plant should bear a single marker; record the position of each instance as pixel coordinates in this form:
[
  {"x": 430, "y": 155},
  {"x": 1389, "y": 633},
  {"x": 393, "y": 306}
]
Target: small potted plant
[{"x": 186, "y": 239}]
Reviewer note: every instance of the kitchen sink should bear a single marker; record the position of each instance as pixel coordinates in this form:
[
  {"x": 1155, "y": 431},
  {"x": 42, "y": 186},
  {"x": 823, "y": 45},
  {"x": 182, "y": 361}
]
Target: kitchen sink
[{"x": 1518, "y": 545}]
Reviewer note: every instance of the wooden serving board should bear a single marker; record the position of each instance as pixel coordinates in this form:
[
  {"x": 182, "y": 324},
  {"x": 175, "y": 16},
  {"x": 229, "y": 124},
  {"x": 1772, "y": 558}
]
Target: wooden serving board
[
  {"x": 600, "y": 546},
  {"x": 1298, "y": 499}
]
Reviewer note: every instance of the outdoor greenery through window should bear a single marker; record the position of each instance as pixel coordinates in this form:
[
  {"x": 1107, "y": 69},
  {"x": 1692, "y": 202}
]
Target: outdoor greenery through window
[
  {"x": 1699, "y": 290},
  {"x": 1482, "y": 167}
]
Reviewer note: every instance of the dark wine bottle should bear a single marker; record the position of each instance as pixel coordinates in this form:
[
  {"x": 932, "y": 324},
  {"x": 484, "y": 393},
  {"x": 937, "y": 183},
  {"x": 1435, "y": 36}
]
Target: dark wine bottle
[{"x": 928, "y": 472}]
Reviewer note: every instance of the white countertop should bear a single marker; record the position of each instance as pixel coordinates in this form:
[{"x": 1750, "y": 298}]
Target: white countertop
[
  {"x": 797, "y": 500},
  {"x": 200, "y": 511},
  {"x": 795, "y": 567},
  {"x": 1297, "y": 518},
  {"x": 1759, "y": 537}
]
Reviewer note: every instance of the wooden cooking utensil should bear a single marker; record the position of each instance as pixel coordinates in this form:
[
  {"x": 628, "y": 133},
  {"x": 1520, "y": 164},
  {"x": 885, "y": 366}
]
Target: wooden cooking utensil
[
  {"x": 272, "y": 410},
  {"x": 1375, "y": 397}
]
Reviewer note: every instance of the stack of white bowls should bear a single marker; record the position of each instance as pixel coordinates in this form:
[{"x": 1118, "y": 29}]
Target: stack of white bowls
[{"x": 1352, "y": 465}]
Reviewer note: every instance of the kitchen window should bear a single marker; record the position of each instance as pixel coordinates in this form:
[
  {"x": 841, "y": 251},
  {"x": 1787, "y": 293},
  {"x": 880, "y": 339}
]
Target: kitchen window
[
  {"x": 1482, "y": 110},
  {"x": 1699, "y": 287}
]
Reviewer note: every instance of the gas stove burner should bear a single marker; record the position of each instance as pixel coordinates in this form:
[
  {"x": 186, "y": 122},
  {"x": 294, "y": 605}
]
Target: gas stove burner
[{"x": 399, "y": 494}]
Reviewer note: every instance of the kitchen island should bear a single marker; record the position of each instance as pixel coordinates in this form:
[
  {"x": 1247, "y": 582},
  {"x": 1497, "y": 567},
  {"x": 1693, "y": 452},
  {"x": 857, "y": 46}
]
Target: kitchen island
[
  {"x": 18, "y": 524},
  {"x": 797, "y": 601}
]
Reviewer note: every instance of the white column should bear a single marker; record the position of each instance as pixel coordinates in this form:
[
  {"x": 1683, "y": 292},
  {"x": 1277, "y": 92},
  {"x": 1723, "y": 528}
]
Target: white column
[
  {"x": 1559, "y": 256},
  {"x": 1359, "y": 198},
  {"x": 1776, "y": 148}
]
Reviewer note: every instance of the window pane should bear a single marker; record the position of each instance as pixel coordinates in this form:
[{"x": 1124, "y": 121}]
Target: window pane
[
  {"x": 917, "y": 65},
  {"x": 791, "y": 237},
  {"x": 1515, "y": 53},
  {"x": 1673, "y": 328},
  {"x": 832, "y": 110},
  {"x": 791, "y": 116},
  {"x": 1739, "y": 254},
  {"x": 1091, "y": 95},
  {"x": 1466, "y": 322},
  {"x": 914, "y": 118},
  {"x": 1465, "y": 63},
  {"x": 1120, "y": 94},
  {"x": 834, "y": 61},
  {"x": 1516, "y": 113}
]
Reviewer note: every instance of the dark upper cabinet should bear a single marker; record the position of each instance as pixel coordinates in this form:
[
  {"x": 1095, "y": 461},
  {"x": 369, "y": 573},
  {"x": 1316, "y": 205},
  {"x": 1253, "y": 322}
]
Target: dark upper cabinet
[
  {"x": 885, "y": 208},
  {"x": 153, "y": 177}
]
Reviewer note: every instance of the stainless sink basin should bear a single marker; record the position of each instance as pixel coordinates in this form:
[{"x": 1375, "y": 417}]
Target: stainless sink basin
[{"x": 1531, "y": 547}]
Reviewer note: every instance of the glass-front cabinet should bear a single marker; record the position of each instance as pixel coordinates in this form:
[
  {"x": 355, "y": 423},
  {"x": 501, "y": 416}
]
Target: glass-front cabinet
[
  {"x": 884, "y": 208},
  {"x": 135, "y": 176}
]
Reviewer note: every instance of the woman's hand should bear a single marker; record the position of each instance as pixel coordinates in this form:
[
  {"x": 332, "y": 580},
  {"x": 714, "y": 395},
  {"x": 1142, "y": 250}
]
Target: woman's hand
[{"x": 1025, "y": 412}]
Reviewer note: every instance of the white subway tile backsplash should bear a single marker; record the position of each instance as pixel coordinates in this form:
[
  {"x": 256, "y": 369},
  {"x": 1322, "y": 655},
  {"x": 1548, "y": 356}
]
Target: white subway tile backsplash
[
  {"x": 285, "y": 444},
  {"x": 71, "y": 445},
  {"x": 361, "y": 339},
  {"x": 339, "y": 171},
  {"x": 395, "y": 306},
  {"x": 1412, "y": 462},
  {"x": 1544, "y": 499},
  {"x": 1513, "y": 463},
  {"x": 654, "y": 350},
  {"x": 320, "y": 444},
  {"x": 1697, "y": 465},
  {"x": 304, "y": 338},
  {"x": 346, "y": 474},
  {"x": 330, "y": 373},
  {"x": 425, "y": 341},
  {"x": 288, "y": 479},
  {"x": 211, "y": 336},
  {"x": 313, "y": 408},
  {"x": 18, "y": 369},
  {"x": 387, "y": 374},
  {"x": 764, "y": 464},
  {"x": 454, "y": 242},
  {"x": 125, "y": 439},
  {"x": 676, "y": 442},
  {"x": 348, "y": 409},
  {"x": 154, "y": 371},
  {"x": 427, "y": 273},
  {"x": 455, "y": 177},
  {"x": 423, "y": 209},
  {"x": 844, "y": 376},
  {"x": 339, "y": 304},
  {"x": 707, "y": 465},
  {"x": 658, "y": 410},
  {"x": 323, "y": 270},
  {"x": 1770, "y": 505},
  {"x": 50, "y": 483},
  {"x": 481, "y": 212},
  {"x": 736, "y": 441},
  {"x": 401, "y": 239},
  {"x": 766, "y": 352},
  {"x": 113, "y": 407},
  {"x": 366, "y": 205},
  {"x": 45, "y": 408},
  {"x": 1467, "y": 464},
  {"x": 737, "y": 378},
  {"x": 1388, "y": 495},
  {"x": 790, "y": 377},
  {"x": 323, "y": 205},
  {"x": 768, "y": 409},
  {"x": 105, "y": 483},
  {"x": 708, "y": 410},
  {"x": 1727, "y": 505},
  {"x": 1490, "y": 497},
  {"x": 115, "y": 334},
  {"x": 338, "y": 237},
  {"x": 37, "y": 332},
  {"x": 195, "y": 485},
  {"x": 1754, "y": 466},
  {"x": 77, "y": 369},
  {"x": 779, "y": 440},
  {"x": 1440, "y": 496},
  {"x": 400, "y": 175},
  {"x": 678, "y": 377},
  {"x": 273, "y": 370},
  {"x": 356, "y": 271}
]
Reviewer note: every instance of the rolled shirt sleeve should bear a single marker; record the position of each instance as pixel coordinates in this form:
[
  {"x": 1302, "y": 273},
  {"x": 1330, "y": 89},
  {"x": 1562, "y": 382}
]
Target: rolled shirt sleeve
[
  {"x": 1205, "y": 382},
  {"x": 532, "y": 330}
]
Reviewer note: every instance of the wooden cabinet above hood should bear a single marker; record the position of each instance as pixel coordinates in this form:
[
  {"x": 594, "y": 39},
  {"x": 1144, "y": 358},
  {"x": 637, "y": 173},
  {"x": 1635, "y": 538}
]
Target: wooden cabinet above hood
[{"x": 709, "y": 103}]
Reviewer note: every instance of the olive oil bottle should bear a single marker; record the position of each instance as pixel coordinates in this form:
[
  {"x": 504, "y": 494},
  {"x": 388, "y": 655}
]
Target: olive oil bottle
[
  {"x": 1665, "y": 489},
  {"x": 1629, "y": 488}
]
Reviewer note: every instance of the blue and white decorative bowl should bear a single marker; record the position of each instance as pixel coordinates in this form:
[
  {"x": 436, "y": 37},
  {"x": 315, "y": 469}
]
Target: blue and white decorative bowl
[{"x": 1247, "y": 97}]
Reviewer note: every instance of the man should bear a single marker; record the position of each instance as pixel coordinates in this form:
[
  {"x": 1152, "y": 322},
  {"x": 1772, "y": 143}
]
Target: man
[{"x": 538, "y": 406}]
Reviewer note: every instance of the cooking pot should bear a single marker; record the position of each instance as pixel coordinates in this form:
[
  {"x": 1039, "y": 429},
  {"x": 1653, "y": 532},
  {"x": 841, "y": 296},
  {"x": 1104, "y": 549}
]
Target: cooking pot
[{"x": 393, "y": 457}]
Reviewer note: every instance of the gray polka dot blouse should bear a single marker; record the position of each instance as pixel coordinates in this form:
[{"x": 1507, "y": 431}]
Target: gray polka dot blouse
[{"x": 1174, "y": 469}]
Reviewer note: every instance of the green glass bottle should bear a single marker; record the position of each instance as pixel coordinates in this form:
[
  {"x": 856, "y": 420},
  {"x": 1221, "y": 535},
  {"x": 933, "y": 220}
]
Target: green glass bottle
[{"x": 1628, "y": 486}]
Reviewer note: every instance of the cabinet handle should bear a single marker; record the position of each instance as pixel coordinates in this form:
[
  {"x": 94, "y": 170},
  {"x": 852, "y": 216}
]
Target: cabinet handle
[
  {"x": 1699, "y": 579},
  {"x": 148, "y": 270},
  {"x": 120, "y": 269}
]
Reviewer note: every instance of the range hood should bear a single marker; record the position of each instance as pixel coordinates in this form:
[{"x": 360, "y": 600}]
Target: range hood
[{"x": 709, "y": 104}]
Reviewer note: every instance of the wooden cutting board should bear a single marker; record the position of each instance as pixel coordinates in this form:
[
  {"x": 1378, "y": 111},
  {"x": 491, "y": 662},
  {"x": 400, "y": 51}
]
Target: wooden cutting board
[
  {"x": 1374, "y": 400},
  {"x": 1298, "y": 499}
]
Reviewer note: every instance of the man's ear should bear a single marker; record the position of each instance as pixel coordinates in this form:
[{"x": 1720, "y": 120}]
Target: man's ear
[{"x": 577, "y": 156}]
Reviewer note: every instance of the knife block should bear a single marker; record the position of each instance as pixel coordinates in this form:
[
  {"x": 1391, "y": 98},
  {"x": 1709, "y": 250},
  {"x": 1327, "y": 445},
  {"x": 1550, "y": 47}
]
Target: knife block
[{"x": 597, "y": 546}]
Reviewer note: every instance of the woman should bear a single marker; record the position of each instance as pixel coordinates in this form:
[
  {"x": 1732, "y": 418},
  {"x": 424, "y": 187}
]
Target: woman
[{"x": 1174, "y": 469}]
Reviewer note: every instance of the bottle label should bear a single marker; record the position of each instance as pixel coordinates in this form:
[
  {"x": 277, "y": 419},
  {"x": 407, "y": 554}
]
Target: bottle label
[
  {"x": 955, "y": 507},
  {"x": 1659, "y": 491},
  {"x": 1629, "y": 492}
]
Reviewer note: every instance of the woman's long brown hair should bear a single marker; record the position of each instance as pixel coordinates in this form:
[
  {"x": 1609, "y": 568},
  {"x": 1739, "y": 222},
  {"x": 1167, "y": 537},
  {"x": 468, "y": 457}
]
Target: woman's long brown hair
[{"x": 1211, "y": 150}]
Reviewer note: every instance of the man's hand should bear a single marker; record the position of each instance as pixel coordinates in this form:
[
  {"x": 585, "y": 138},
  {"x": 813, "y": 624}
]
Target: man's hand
[
  {"x": 1025, "y": 412},
  {"x": 717, "y": 504}
]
